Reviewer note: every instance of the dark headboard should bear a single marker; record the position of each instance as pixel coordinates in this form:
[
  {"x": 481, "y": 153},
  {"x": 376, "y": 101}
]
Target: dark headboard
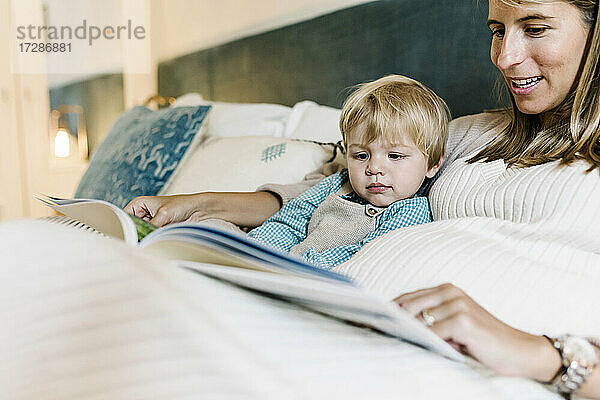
[{"x": 443, "y": 43}]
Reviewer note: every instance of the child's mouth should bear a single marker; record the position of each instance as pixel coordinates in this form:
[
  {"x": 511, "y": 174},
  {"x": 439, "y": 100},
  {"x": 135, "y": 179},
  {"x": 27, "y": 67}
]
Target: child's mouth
[{"x": 377, "y": 188}]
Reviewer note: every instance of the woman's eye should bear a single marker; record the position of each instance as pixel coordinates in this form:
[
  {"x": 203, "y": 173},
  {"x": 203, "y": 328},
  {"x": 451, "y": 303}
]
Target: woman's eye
[
  {"x": 497, "y": 33},
  {"x": 536, "y": 30}
]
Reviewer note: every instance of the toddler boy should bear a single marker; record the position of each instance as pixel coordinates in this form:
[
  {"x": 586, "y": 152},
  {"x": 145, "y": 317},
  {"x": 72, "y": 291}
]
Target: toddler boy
[{"x": 394, "y": 131}]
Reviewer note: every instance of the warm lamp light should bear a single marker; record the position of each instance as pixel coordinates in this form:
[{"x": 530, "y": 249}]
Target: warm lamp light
[
  {"x": 62, "y": 134},
  {"x": 61, "y": 143}
]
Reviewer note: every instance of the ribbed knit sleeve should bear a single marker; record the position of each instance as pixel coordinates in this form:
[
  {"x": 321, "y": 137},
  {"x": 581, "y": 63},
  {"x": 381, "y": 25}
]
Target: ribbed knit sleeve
[{"x": 466, "y": 135}]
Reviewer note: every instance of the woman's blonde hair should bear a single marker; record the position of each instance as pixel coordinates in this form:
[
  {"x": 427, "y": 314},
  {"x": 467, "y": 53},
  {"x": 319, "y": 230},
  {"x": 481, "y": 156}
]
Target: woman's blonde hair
[
  {"x": 394, "y": 108},
  {"x": 574, "y": 129}
]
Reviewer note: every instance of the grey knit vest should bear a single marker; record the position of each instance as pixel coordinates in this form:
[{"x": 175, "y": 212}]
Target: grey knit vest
[{"x": 338, "y": 222}]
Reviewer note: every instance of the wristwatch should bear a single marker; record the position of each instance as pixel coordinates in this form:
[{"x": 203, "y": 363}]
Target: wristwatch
[{"x": 578, "y": 360}]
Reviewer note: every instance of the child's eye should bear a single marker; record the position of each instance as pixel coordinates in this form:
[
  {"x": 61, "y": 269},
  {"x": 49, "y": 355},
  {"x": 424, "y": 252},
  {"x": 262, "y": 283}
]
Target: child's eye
[
  {"x": 395, "y": 156},
  {"x": 361, "y": 156}
]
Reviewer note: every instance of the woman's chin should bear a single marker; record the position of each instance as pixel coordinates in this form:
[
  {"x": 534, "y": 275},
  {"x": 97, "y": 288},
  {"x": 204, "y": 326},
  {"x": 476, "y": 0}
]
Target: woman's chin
[
  {"x": 532, "y": 107},
  {"x": 538, "y": 104}
]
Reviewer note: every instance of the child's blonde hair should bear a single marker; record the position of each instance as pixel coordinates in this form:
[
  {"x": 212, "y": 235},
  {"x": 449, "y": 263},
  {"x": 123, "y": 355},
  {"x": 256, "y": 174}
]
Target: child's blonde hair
[{"x": 393, "y": 108}]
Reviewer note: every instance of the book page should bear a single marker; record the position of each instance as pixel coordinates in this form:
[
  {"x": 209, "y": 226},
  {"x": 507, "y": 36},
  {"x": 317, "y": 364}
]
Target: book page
[
  {"x": 99, "y": 215},
  {"x": 335, "y": 299},
  {"x": 209, "y": 244}
]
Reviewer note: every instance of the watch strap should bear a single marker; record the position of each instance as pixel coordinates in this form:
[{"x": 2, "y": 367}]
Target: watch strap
[
  {"x": 562, "y": 369},
  {"x": 573, "y": 372}
]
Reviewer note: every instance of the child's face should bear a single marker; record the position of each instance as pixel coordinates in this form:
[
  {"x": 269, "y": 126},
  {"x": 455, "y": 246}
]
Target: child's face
[{"x": 383, "y": 173}]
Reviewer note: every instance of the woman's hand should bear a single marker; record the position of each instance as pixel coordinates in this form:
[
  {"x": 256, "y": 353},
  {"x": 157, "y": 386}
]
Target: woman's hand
[
  {"x": 469, "y": 327},
  {"x": 248, "y": 209},
  {"x": 163, "y": 210}
]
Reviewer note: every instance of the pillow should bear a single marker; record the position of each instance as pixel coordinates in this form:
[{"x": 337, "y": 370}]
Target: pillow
[
  {"x": 141, "y": 151},
  {"x": 310, "y": 121},
  {"x": 245, "y": 163},
  {"x": 240, "y": 119},
  {"x": 189, "y": 99}
]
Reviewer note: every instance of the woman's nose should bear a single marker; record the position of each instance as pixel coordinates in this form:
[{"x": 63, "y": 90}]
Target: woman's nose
[{"x": 511, "y": 52}]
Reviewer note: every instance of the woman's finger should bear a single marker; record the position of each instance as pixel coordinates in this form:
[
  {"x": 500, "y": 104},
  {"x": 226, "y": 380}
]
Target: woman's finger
[
  {"x": 445, "y": 310},
  {"x": 444, "y": 289},
  {"x": 420, "y": 300},
  {"x": 411, "y": 297},
  {"x": 455, "y": 327},
  {"x": 162, "y": 216},
  {"x": 140, "y": 207},
  {"x": 131, "y": 207}
]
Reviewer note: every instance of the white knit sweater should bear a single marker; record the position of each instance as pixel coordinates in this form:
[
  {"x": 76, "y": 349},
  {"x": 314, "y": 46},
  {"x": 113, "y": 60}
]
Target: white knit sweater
[{"x": 524, "y": 242}]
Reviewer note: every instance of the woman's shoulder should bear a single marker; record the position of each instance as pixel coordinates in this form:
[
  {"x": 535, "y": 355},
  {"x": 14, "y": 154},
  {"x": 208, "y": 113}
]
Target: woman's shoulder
[
  {"x": 470, "y": 126},
  {"x": 471, "y": 132},
  {"x": 485, "y": 117},
  {"x": 466, "y": 135}
]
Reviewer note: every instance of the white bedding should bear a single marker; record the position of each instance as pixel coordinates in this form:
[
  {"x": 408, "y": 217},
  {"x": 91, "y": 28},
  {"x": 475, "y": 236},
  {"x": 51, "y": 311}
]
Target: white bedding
[{"x": 87, "y": 317}]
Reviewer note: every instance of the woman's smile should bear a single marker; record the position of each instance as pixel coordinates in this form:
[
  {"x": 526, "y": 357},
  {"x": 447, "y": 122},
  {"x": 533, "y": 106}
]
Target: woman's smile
[{"x": 524, "y": 86}]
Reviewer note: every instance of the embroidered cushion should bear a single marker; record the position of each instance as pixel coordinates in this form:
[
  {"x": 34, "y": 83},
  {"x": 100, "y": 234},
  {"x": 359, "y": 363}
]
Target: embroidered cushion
[
  {"x": 141, "y": 152},
  {"x": 245, "y": 163}
]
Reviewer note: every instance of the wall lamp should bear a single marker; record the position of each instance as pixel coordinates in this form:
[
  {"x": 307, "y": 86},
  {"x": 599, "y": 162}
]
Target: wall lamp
[{"x": 68, "y": 132}]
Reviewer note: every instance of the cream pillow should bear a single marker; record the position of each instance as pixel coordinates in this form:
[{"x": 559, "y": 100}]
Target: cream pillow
[
  {"x": 244, "y": 163},
  {"x": 311, "y": 121},
  {"x": 240, "y": 119}
]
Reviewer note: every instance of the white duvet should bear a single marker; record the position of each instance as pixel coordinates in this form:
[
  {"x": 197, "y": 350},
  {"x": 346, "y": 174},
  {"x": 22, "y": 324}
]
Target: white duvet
[{"x": 84, "y": 317}]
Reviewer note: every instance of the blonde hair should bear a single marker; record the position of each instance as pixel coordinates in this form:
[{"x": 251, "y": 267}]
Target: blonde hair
[
  {"x": 395, "y": 107},
  {"x": 574, "y": 129}
]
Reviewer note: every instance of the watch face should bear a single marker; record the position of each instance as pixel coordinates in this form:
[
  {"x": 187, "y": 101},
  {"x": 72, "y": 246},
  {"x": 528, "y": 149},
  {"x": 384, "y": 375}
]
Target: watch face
[{"x": 580, "y": 350}]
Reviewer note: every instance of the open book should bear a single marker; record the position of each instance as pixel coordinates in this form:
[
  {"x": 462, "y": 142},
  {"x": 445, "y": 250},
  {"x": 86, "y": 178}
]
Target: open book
[{"x": 242, "y": 261}]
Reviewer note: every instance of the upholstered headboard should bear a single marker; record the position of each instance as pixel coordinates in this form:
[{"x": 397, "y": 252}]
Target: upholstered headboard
[{"x": 443, "y": 43}]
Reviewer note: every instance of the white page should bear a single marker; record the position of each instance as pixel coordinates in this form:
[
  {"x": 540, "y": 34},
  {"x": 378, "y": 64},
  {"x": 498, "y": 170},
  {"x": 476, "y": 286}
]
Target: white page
[
  {"x": 100, "y": 215},
  {"x": 341, "y": 301},
  {"x": 195, "y": 242}
]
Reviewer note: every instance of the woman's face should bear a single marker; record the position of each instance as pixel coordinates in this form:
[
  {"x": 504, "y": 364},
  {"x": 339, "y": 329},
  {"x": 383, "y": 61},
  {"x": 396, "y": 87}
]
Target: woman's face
[{"x": 538, "y": 48}]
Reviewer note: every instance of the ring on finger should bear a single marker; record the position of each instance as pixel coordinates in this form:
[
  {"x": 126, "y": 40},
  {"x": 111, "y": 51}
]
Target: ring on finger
[{"x": 428, "y": 318}]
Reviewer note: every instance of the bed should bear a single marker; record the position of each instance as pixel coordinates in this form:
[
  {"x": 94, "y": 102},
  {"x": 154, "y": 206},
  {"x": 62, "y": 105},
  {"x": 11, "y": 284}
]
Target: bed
[{"x": 87, "y": 317}]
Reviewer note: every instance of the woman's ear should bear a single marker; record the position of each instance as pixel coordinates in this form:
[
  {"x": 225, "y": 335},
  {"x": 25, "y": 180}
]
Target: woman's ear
[{"x": 433, "y": 170}]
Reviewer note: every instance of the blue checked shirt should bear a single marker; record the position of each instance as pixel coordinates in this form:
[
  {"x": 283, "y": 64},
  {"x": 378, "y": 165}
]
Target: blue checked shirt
[{"x": 289, "y": 226}]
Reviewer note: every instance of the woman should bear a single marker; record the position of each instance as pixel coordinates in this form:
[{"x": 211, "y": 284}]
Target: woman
[{"x": 548, "y": 53}]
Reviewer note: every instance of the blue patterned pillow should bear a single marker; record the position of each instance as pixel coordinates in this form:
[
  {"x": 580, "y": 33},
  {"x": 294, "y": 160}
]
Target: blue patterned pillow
[{"x": 140, "y": 153}]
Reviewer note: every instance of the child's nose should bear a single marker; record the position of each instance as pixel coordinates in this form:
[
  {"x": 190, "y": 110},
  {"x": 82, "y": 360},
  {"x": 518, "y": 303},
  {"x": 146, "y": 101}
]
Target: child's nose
[{"x": 374, "y": 167}]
